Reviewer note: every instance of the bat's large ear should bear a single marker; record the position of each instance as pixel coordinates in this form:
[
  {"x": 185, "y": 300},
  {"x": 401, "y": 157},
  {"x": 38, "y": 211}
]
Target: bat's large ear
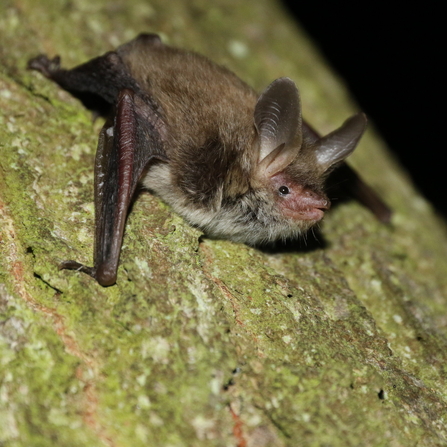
[
  {"x": 340, "y": 143},
  {"x": 279, "y": 126}
]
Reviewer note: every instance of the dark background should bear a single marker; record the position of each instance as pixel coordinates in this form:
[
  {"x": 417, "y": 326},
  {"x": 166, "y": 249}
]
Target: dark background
[{"x": 392, "y": 60}]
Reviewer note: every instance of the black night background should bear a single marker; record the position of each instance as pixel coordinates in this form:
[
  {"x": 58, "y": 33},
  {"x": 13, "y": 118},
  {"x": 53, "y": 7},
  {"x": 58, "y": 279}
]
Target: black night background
[{"x": 392, "y": 58}]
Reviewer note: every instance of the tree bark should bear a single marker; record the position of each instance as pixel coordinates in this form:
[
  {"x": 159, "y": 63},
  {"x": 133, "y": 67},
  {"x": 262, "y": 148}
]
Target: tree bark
[{"x": 201, "y": 342}]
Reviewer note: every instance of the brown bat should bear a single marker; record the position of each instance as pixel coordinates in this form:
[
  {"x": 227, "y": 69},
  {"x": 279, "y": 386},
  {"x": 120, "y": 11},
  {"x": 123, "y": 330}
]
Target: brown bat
[{"x": 234, "y": 164}]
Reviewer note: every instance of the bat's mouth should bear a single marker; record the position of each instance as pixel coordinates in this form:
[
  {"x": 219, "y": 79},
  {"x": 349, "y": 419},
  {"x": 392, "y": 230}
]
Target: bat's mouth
[
  {"x": 311, "y": 209},
  {"x": 314, "y": 214}
]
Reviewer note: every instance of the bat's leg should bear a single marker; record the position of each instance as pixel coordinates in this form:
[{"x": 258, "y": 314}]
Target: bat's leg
[
  {"x": 126, "y": 146},
  {"x": 351, "y": 182},
  {"x": 104, "y": 76},
  {"x": 96, "y": 83},
  {"x": 369, "y": 198}
]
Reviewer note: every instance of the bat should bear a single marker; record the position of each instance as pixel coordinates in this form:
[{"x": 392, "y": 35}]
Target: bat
[{"x": 235, "y": 164}]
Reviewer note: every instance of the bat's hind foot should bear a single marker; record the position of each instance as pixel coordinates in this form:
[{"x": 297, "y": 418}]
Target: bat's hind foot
[{"x": 44, "y": 65}]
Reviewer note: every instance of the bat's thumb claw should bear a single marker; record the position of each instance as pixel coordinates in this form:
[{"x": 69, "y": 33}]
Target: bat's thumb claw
[{"x": 105, "y": 274}]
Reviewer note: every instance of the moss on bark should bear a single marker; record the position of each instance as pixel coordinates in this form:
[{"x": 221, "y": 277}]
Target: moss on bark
[{"x": 204, "y": 343}]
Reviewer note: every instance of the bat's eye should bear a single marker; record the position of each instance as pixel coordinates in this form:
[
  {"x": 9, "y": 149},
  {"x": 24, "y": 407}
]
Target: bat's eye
[{"x": 283, "y": 190}]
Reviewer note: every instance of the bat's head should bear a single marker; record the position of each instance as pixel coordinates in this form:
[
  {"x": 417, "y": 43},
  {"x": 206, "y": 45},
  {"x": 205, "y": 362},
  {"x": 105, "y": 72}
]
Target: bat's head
[{"x": 292, "y": 161}]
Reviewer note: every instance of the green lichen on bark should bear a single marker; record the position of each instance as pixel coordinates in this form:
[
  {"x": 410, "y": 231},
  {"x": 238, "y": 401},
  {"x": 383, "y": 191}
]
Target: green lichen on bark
[{"x": 204, "y": 342}]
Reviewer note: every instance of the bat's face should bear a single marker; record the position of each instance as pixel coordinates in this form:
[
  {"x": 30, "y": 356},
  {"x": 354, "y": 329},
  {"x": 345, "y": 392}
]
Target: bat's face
[
  {"x": 296, "y": 201},
  {"x": 292, "y": 165}
]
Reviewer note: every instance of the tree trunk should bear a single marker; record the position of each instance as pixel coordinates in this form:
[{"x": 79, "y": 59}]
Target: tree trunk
[{"x": 201, "y": 342}]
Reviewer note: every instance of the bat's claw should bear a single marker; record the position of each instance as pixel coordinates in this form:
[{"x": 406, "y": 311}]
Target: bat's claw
[{"x": 44, "y": 65}]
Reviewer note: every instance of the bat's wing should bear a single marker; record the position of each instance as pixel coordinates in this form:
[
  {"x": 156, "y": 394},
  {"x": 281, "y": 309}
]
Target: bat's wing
[
  {"x": 128, "y": 143},
  {"x": 131, "y": 139}
]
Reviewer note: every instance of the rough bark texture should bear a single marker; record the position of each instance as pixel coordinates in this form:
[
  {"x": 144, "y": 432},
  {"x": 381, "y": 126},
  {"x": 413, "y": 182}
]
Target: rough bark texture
[{"x": 204, "y": 343}]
